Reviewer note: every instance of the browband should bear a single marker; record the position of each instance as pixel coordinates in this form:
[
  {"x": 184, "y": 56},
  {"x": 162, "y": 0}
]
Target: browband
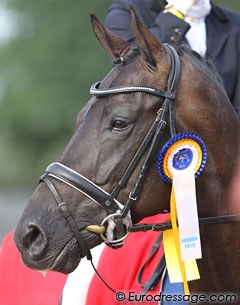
[{"x": 94, "y": 90}]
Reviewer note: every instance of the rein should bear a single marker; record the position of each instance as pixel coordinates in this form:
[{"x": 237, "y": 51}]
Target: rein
[{"x": 168, "y": 225}]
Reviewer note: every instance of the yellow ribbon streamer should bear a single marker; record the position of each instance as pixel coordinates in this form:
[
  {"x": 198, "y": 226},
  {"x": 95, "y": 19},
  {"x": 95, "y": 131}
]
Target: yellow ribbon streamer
[
  {"x": 178, "y": 270},
  {"x": 177, "y": 241}
]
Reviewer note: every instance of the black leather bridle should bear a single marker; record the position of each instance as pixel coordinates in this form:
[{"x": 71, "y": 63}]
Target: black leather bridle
[{"x": 150, "y": 144}]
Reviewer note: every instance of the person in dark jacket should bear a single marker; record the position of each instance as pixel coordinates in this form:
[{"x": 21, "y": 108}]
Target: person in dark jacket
[{"x": 212, "y": 31}]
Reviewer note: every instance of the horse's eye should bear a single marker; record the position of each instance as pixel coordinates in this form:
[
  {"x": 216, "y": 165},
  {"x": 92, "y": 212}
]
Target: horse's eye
[{"x": 119, "y": 124}]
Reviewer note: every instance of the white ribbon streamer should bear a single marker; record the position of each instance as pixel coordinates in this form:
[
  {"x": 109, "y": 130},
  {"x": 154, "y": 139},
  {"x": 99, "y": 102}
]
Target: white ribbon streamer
[{"x": 185, "y": 195}]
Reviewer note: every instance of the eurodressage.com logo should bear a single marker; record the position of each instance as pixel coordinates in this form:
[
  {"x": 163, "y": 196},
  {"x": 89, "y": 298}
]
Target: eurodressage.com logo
[{"x": 131, "y": 296}]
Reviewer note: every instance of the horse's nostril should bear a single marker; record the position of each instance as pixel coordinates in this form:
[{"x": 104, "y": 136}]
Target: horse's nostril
[{"x": 34, "y": 241}]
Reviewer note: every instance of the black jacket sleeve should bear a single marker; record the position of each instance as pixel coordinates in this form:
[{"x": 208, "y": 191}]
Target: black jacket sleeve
[
  {"x": 165, "y": 26},
  {"x": 223, "y": 48}
]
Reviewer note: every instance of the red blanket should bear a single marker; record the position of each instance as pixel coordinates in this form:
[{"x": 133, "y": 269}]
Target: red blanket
[
  {"x": 20, "y": 285},
  {"x": 119, "y": 268}
]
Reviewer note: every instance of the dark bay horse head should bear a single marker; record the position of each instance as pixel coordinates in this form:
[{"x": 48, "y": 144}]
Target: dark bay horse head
[{"x": 151, "y": 90}]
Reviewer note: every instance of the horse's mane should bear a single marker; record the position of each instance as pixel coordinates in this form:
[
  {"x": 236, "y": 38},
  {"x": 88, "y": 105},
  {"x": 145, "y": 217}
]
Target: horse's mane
[{"x": 205, "y": 64}]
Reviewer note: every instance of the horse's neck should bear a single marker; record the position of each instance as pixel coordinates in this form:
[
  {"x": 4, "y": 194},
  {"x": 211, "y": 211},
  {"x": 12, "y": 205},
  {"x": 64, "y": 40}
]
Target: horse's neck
[{"x": 220, "y": 264}]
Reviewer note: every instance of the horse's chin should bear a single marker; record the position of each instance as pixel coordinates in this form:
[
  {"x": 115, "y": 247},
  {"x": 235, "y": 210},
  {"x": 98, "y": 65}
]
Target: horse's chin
[{"x": 69, "y": 258}]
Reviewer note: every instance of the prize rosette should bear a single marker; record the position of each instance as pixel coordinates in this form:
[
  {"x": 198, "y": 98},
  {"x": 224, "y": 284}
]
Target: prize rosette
[
  {"x": 182, "y": 151},
  {"x": 180, "y": 162}
]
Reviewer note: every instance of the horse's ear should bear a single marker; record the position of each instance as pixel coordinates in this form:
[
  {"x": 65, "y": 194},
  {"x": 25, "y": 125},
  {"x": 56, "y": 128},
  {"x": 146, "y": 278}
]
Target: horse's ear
[
  {"x": 114, "y": 45},
  {"x": 144, "y": 39}
]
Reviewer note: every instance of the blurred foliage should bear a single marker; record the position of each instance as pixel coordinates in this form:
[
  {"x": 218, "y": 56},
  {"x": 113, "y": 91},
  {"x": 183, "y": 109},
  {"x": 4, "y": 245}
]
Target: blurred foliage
[
  {"x": 45, "y": 74},
  {"x": 46, "y": 71},
  {"x": 232, "y": 4}
]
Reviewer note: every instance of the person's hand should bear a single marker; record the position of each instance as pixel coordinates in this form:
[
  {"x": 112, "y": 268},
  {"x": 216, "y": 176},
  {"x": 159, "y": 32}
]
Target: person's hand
[{"x": 182, "y": 6}]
